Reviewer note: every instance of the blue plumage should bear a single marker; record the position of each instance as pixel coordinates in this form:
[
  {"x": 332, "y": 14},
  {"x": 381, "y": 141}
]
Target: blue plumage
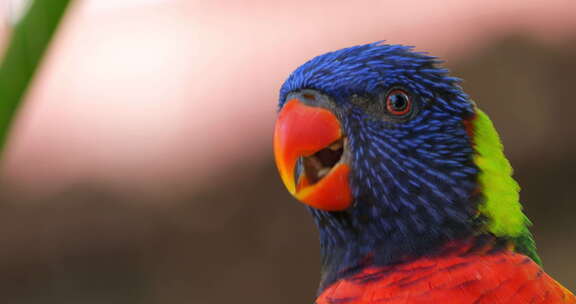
[{"x": 413, "y": 180}]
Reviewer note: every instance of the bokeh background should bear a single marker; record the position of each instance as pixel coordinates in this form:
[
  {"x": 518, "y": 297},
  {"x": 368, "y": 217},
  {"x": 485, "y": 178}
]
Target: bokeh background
[{"x": 140, "y": 168}]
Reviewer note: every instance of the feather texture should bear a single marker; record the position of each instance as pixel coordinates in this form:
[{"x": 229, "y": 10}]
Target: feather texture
[
  {"x": 436, "y": 215},
  {"x": 504, "y": 277}
]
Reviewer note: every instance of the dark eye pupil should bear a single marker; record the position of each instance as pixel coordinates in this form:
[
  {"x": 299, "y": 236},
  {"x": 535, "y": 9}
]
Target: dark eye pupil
[{"x": 398, "y": 101}]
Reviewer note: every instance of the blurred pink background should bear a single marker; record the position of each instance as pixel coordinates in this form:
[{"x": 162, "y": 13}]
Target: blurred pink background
[{"x": 145, "y": 94}]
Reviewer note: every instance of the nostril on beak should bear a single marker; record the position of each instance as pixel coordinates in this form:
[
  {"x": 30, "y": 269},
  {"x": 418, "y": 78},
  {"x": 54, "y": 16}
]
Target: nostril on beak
[
  {"x": 312, "y": 98},
  {"x": 309, "y": 96}
]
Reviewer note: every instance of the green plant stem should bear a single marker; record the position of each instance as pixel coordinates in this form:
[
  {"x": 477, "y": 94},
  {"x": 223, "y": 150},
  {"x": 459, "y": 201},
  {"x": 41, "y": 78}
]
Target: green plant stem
[{"x": 27, "y": 46}]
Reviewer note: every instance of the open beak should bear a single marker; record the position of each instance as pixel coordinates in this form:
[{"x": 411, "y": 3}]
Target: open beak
[{"x": 309, "y": 148}]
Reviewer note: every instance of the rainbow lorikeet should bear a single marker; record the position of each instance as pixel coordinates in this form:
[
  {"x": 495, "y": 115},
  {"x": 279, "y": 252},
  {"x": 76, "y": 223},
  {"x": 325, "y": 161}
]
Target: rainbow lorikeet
[{"x": 407, "y": 182}]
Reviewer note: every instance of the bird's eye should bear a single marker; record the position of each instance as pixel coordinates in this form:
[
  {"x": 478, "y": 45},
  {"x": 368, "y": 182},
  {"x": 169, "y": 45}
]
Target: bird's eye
[{"x": 398, "y": 103}]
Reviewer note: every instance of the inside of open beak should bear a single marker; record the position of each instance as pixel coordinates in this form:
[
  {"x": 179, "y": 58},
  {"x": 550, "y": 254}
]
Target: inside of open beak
[{"x": 318, "y": 165}]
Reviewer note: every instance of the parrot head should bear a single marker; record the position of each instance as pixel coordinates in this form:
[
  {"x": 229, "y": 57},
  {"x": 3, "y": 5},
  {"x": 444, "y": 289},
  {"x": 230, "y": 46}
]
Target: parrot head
[{"x": 392, "y": 158}]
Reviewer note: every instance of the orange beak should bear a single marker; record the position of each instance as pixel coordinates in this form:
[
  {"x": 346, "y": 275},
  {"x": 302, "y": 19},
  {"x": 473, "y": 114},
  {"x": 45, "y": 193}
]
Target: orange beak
[{"x": 301, "y": 131}]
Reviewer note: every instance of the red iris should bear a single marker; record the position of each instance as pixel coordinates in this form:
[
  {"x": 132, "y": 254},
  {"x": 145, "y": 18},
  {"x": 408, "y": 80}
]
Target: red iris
[{"x": 398, "y": 103}]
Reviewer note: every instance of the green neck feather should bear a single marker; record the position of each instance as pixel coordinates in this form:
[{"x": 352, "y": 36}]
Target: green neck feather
[{"x": 501, "y": 206}]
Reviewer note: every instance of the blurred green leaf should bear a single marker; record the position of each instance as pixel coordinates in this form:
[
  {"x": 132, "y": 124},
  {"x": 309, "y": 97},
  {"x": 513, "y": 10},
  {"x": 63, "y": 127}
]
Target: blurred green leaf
[{"x": 28, "y": 43}]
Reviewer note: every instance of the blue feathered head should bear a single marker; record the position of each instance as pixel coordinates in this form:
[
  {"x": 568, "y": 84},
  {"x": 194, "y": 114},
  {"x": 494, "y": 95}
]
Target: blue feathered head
[{"x": 378, "y": 141}]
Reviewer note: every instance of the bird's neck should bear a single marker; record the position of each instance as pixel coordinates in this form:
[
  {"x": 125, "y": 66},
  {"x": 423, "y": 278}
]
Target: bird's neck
[
  {"x": 349, "y": 245},
  {"x": 346, "y": 261},
  {"x": 372, "y": 233}
]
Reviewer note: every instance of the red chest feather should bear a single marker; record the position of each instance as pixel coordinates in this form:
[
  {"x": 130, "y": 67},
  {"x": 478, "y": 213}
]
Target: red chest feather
[{"x": 505, "y": 277}]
